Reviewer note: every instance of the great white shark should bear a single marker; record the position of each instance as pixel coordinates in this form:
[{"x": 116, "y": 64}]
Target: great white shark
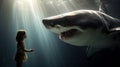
[{"x": 90, "y": 28}]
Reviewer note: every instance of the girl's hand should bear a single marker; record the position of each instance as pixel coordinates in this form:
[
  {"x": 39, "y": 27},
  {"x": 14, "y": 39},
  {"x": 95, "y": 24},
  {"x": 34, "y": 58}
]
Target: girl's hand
[{"x": 31, "y": 50}]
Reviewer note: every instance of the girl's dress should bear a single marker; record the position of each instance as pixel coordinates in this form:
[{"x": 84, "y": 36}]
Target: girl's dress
[{"x": 20, "y": 56}]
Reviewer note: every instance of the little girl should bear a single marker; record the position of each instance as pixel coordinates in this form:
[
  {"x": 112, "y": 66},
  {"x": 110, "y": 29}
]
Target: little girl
[{"x": 21, "y": 56}]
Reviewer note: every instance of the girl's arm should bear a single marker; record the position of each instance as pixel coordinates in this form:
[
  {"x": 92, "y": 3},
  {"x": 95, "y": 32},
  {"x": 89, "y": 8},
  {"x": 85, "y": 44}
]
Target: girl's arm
[{"x": 23, "y": 48}]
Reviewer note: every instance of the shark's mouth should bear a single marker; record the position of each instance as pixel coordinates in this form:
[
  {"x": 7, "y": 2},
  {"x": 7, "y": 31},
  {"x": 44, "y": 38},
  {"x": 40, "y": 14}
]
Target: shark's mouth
[{"x": 67, "y": 34}]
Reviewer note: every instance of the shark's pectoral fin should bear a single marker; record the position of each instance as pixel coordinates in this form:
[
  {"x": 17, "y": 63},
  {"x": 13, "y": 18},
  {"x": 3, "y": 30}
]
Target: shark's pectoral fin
[
  {"x": 115, "y": 29},
  {"x": 92, "y": 50},
  {"x": 115, "y": 34}
]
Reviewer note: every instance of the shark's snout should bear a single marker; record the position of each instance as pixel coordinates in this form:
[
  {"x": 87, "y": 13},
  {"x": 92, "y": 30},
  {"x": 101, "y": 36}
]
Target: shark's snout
[{"x": 47, "y": 23}]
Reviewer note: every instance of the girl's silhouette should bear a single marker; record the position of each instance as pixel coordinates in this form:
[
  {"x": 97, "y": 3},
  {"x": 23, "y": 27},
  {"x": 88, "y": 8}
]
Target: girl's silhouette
[{"x": 21, "y": 56}]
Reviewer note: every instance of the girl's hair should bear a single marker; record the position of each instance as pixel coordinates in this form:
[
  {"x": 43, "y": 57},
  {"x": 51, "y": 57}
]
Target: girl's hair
[{"x": 19, "y": 36}]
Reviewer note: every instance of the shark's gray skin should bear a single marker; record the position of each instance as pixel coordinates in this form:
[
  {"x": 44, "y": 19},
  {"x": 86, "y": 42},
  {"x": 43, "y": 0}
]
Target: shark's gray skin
[{"x": 90, "y": 28}]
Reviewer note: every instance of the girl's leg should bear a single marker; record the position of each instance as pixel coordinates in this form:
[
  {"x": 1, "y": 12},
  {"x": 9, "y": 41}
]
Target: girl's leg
[{"x": 19, "y": 64}]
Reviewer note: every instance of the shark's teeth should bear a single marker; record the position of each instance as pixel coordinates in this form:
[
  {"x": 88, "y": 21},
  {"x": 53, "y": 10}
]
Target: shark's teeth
[{"x": 67, "y": 34}]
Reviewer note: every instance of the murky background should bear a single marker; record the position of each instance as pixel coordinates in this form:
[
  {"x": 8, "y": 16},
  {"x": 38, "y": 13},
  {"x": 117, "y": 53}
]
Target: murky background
[{"x": 49, "y": 51}]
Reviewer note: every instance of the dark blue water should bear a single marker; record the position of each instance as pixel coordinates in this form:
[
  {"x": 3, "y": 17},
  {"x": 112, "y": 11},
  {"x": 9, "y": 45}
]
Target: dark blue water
[{"x": 49, "y": 51}]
